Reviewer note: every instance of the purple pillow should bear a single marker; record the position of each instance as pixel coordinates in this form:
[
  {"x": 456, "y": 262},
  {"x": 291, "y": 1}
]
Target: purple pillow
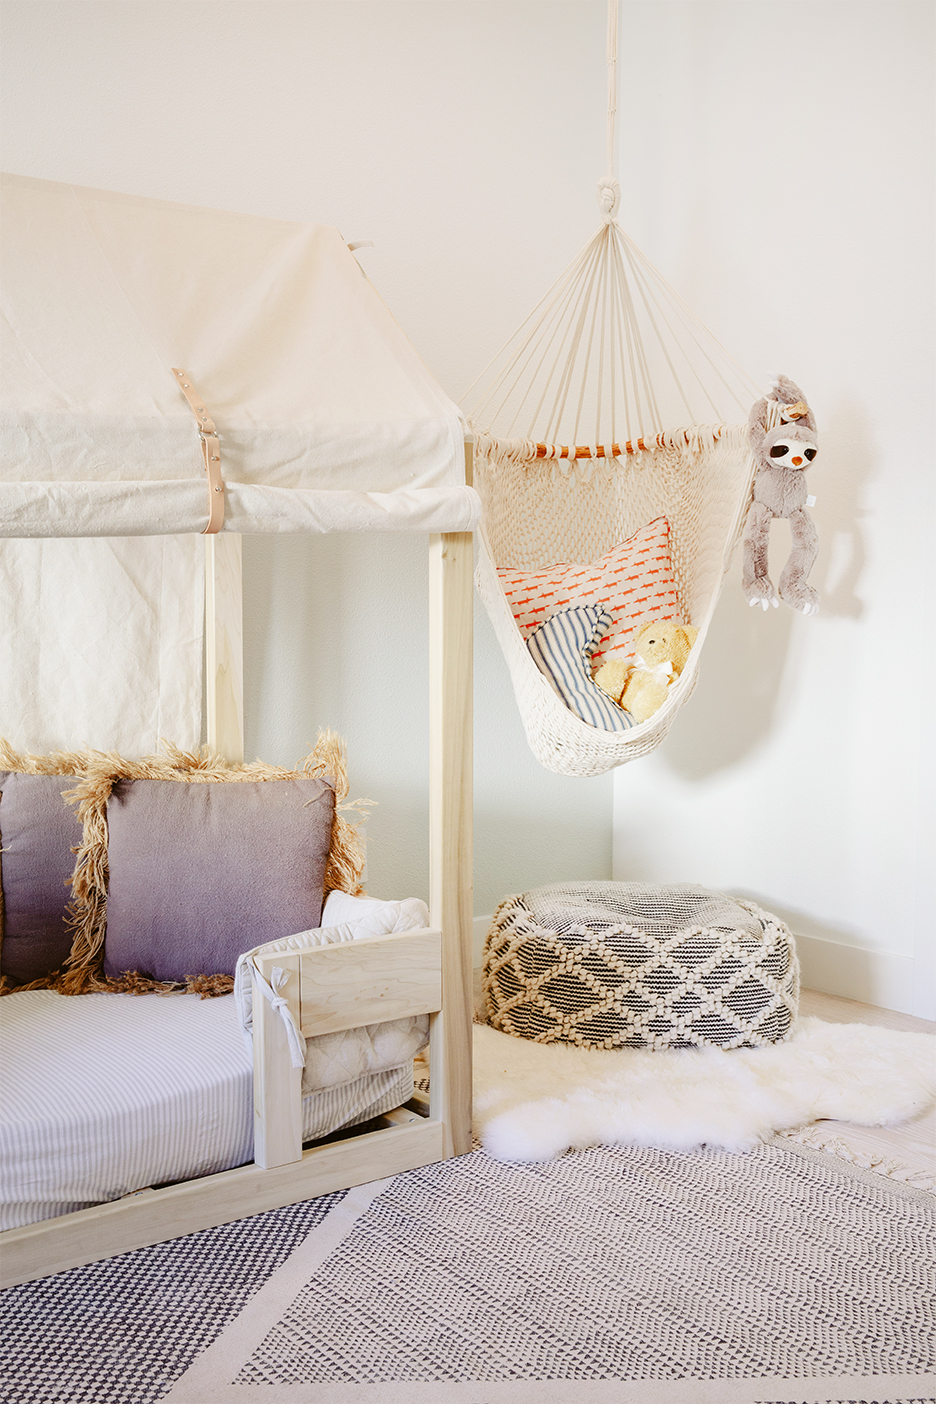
[
  {"x": 38, "y": 832},
  {"x": 201, "y": 871}
]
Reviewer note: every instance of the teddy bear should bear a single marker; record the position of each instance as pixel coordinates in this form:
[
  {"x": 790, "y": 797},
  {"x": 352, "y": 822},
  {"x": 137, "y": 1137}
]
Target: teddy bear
[
  {"x": 782, "y": 455},
  {"x": 639, "y": 685}
]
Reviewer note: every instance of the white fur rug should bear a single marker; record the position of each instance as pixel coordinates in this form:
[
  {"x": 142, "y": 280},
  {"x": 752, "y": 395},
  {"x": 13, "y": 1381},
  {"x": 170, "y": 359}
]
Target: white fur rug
[{"x": 534, "y": 1101}]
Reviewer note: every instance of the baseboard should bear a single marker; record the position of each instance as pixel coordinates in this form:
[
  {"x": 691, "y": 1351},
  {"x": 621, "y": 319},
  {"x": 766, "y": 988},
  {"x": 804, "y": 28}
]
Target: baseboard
[{"x": 881, "y": 978}]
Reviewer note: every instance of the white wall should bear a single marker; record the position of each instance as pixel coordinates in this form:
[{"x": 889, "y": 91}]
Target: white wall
[
  {"x": 465, "y": 140},
  {"x": 785, "y": 185},
  {"x": 777, "y": 166}
]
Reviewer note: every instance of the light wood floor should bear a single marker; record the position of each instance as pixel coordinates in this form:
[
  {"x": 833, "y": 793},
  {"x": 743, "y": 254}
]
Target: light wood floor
[{"x": 915, "y": 1141}]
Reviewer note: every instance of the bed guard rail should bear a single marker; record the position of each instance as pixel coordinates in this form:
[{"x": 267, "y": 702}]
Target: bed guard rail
[{"x": 327, "y": 989}]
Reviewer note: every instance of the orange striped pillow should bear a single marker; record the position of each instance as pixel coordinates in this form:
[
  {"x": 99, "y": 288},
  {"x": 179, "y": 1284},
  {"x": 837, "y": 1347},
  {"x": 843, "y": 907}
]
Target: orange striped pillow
[{"x": 634, "y": 582}]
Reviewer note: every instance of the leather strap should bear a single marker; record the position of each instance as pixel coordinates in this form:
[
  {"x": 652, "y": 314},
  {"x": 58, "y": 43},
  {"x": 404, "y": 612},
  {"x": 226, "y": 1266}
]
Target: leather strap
[{"x": 211, "y": 448}]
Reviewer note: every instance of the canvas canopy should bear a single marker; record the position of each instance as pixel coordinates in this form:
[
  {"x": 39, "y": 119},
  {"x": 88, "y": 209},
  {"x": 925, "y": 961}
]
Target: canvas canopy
[{"x": 326, "y": 418}]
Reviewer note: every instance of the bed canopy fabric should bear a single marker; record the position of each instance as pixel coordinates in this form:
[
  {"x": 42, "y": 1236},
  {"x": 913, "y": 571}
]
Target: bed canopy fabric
[
  {"x": 326, "y": 418},
  {"x": 611, "y": 409}
]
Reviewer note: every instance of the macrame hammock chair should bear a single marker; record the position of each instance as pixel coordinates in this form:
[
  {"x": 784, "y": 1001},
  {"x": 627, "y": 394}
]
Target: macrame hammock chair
[{"x": 610, "y": 408}]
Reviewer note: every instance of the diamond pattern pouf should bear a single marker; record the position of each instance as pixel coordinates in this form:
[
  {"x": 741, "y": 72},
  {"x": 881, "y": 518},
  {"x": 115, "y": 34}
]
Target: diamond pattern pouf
[{"x": 632, "y": 965}]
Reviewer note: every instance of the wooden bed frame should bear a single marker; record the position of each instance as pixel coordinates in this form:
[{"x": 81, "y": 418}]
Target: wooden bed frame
[{"x": 332, "y": 988}]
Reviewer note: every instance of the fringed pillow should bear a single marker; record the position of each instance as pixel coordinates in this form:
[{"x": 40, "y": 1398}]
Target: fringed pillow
[
  {"x": 39, "y": 836},
  {"x": 187, "y": 861}
]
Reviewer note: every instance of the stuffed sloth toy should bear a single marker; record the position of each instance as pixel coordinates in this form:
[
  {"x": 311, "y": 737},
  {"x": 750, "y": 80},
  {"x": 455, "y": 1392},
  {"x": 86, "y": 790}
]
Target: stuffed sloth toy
[{"x": 782, "y": 454}]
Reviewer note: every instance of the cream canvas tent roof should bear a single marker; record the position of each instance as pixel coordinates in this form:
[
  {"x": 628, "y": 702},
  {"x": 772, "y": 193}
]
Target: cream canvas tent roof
[{"x": 327, "y": 419}]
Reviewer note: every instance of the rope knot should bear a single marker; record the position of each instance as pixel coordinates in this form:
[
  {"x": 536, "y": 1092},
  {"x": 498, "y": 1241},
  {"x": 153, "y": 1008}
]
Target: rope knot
[{"x": 609, "y": 197}]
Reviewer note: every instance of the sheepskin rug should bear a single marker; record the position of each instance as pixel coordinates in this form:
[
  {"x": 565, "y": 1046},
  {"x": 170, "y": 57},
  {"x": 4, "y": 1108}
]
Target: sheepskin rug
[{"x": 534, "y": 1101}]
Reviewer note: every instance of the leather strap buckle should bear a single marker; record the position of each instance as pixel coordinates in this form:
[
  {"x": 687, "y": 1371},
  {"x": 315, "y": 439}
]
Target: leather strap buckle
[{"x": 211, "y": 448}]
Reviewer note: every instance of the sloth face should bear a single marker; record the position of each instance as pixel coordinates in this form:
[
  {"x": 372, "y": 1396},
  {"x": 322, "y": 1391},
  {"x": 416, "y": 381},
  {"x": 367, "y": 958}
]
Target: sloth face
[{"x": 792, "y": 453}]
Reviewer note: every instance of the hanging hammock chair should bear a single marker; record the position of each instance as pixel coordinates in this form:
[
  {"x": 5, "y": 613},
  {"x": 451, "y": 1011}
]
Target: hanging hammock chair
[{"x": 612, "y": 461}]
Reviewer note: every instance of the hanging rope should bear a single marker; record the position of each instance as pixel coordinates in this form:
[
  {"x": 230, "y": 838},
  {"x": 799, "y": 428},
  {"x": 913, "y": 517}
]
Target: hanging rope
[
  {"x": 612, "y": 347},
  {"x": 609, "y": 190},
  {"x": 611, "y": 352},
  {"x": 611, "y": 355}
]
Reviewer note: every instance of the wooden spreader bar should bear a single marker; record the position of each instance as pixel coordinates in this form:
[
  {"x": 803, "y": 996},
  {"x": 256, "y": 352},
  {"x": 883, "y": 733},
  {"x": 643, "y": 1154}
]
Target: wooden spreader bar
[
  {"x": 599, "y": 451},
  {"x": 584, "y": 451}
]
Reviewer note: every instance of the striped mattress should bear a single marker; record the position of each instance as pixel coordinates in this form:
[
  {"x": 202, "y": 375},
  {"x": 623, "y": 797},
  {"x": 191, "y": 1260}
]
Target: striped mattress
[{"x": 104, "y": 1094}]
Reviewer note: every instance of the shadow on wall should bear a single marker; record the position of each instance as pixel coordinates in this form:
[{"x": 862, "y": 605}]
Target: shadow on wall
[
  {"x": 531, "y": 826},
  {"x": 732, "y": 708},
  {"x": 801, "y": 923},
  {"x": 559, "y": 851},
  {"x": 847, "y": 463},
  {"x": 740, "y": 685}
]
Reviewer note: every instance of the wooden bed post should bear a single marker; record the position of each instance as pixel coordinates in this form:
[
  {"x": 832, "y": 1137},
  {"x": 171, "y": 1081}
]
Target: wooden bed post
[
  {"x": 224, "y": 645},
  {"x": 277, "y": 1085},
  {"x": 450, "y": 825}
]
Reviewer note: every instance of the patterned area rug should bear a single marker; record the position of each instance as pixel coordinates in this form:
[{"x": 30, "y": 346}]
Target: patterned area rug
[
  {"x": 121, "y": 1331},
  {"x": 617, "y": 1274}
]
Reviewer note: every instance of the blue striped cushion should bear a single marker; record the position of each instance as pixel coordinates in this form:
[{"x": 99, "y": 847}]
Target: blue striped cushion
[{"x": 562, "y": 649}]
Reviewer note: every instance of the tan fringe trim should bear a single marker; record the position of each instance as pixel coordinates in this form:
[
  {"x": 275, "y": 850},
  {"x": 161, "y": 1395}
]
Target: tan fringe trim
[
  {"x": 209, "y": 986},
  {"x": 132, "y": 982},
  {"x": 55, "y": 763},
  {"x": 46, "y": 982},
  {"x": 65, "y": 763},
  {"x": 346, "y": 854},
  {"x": 87, "y": 912}
]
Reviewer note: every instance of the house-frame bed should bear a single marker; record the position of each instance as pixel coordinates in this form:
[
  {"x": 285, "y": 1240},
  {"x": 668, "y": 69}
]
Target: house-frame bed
[{"x": 424, "y": 971}]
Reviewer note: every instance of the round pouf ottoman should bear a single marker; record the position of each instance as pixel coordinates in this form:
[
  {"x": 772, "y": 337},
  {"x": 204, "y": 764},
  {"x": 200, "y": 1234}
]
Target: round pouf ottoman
[{"x": 633, "y": 965}]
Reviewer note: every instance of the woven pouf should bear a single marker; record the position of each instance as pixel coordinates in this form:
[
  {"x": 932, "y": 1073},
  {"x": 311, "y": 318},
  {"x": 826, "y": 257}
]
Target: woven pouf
[{"x": 631, "y": 965}]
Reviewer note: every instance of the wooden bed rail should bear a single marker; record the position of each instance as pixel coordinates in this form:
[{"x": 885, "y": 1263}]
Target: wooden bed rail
[
  {"x": 370, "y": 981},
  {"x": 155, "y": 1215},
  {"x": 329, "y": 989}
]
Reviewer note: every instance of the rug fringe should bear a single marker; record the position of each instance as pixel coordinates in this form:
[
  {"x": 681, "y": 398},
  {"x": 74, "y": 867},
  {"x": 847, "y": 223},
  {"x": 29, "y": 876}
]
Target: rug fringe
[{"x": 815, "y": 1138}]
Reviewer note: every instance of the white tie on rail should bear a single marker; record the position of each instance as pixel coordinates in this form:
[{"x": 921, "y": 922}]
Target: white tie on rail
[{"x": 278, "y": 976}]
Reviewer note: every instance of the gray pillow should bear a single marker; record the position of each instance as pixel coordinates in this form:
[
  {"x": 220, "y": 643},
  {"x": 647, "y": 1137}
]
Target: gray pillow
[
  {"x": 201, "y": 871},
  {"x": 38, "y": 833}
]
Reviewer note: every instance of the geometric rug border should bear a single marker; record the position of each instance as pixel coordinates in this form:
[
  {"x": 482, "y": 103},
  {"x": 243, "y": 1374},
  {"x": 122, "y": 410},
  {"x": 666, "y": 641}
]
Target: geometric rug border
[
  {"x": 854, "y": 1389},
  {"x": 121, "y": 1330},
  {"x": 238, "y": 1340}
]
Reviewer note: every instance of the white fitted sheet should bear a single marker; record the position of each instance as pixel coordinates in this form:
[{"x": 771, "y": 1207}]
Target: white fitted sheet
[{"x": 104, "y": 1094}]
